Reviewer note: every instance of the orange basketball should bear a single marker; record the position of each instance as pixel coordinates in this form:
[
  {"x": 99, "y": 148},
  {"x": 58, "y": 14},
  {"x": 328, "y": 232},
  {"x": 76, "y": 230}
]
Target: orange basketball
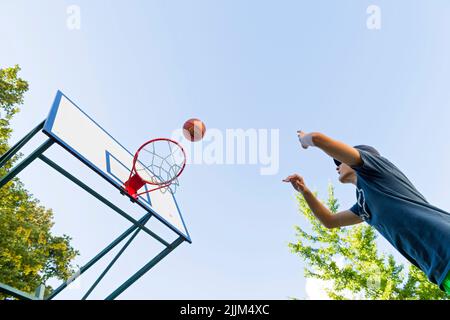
[{"x": 194, "y": 130}]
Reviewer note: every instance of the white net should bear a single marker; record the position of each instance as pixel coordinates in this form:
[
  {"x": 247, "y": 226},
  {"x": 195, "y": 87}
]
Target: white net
[{"x": 160, "y": 163}]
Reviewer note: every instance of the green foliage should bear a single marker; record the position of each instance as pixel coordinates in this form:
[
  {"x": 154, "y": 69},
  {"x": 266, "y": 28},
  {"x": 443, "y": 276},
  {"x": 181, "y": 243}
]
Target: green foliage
[
  {"x": 349, "y": 261},
  {"x": 29, "y": 253},
  {"x": 12, "y": 90}
]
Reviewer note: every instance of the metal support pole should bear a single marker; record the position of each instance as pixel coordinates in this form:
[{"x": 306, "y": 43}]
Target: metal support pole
[
  {"x": 113, "y": 261},
  {"x": 22, "y": 165},
  {"x": 102, "y": 199},
  {"x": 104, "y": 252},
  {"x": 40, "y": 291},
  {"x": 16, "y": 293},
  {"x": 145, "y": 269},
  {"x": 14, "y": 149}
]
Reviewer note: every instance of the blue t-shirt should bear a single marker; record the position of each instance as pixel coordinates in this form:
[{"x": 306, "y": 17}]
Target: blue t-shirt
[{"x": 389, "y": 202}]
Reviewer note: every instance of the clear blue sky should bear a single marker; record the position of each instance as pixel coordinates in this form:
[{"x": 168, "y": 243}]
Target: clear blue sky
[{"x": 140, "y": 68}]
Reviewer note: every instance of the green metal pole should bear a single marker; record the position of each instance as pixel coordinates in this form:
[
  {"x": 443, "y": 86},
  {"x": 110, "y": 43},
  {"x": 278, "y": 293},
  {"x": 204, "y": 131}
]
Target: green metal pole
[
  {"x": 113, "y": 261},
  {"x": 40, "y": 291},
  {"x": 102, "y": 199},
  {"x": 145, "y": 269},
  {"x": 17, "y": 169},
  {"x": 14, "y": 149},
  {"x": 104, "y": 252},
  {"x": 16, "y": 293}
]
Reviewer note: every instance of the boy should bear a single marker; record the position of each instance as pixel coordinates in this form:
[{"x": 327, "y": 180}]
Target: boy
[{"x": 386, "y": 200}]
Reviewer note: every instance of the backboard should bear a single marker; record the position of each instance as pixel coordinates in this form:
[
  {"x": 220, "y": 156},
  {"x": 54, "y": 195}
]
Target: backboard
[{"x": 79, "y": 134}]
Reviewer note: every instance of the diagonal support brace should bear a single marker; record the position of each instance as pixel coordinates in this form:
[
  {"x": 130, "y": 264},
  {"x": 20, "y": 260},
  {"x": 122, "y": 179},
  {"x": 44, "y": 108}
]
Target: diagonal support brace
[
  {"x": 102, "y": 199},
  {"x": 145, "y": 269}
]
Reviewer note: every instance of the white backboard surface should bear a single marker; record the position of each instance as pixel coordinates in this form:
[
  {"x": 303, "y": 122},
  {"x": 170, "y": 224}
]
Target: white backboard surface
[{"x": 74, "y": 130}]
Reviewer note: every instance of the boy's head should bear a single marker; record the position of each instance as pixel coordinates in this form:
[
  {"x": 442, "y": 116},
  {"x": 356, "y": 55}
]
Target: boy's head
[{"x": 346, "y": 173}]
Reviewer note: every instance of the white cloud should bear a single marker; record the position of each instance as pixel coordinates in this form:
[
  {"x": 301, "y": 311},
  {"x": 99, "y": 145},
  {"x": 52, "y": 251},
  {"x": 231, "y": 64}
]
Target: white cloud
[{"x": 315, "y": 289}]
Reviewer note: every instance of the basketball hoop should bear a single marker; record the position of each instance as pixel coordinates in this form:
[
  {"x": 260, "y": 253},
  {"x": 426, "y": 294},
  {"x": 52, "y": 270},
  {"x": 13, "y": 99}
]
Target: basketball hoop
[{"x": 158, "y": 163}]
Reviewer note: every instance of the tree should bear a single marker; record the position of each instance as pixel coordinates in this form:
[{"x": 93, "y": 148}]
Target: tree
[
  {"x": 348, "y": 260},
  {"x": 30, "y": 254},
  {"x": 12, "y": 90}
]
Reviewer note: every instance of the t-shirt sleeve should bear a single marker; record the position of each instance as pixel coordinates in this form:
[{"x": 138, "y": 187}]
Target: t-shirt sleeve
[
  {"x": 372, "y": 165},
  {"x": 355, "y": 209}
]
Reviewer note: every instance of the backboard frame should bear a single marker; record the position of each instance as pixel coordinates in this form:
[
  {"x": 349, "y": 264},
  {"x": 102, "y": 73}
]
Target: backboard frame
[{"x": 142, "y": 202}]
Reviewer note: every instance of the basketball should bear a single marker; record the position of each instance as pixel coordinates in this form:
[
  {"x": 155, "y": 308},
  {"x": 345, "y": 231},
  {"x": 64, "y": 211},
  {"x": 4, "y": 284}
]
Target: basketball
[{"x": 194, "y": 130}]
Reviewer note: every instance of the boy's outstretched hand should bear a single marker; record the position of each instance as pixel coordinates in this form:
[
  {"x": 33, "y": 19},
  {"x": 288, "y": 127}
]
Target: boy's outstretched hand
[
  {"x": 305, "y": 139},
  {"x": 297, "y": 182}
]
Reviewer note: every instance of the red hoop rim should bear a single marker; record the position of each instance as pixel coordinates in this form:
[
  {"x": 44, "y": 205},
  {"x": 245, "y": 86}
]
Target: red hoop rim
[{"x": 166, "y": 183}]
